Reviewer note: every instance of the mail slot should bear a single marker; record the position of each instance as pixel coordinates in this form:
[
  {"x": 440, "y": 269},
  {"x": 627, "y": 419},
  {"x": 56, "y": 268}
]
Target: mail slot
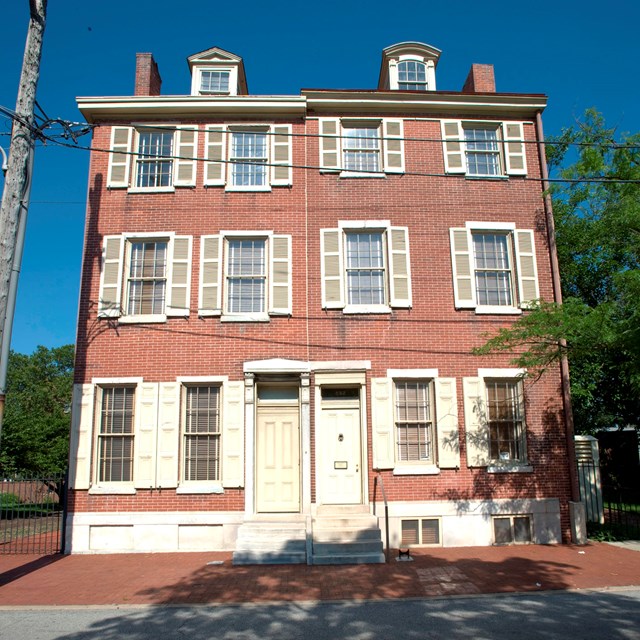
[{"x": 340, "y": 464}]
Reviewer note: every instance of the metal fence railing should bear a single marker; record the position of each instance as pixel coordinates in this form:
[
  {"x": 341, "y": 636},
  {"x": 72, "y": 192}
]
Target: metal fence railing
[{"x": 32, "y": 514}]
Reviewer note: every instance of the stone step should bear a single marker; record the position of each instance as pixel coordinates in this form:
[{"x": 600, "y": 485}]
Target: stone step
[
  {"x": 268, "y": 557},
  {"x": 348, "y": 522},
  {"x": 271, "y": 542},
  {"x": 345, "y": 535},
  {"x": 349, "y": 558},
  {"x": 340, "y": 548}
]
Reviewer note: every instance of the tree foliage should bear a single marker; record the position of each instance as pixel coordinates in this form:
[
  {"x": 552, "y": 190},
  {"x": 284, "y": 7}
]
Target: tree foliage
[
  {"x": 37, "y": 418},
  {"x": 597, "y": 219}
]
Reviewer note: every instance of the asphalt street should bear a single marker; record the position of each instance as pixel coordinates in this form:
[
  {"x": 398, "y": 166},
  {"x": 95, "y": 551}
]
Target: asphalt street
[{"x": 587, "y": 615}]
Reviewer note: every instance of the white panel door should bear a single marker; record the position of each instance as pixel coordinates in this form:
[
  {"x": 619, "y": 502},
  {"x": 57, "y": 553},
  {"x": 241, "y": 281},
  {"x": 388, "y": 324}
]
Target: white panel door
[
  {"x": 341, "y": 455},
  {"x": 278, "y": 460}
]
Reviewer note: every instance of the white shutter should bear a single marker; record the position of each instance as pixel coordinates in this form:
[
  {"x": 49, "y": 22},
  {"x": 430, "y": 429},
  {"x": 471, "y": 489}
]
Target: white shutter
[
  {"x": 119, "y": 158},
  {"x": 186, "y": 161},
  {"x": 528, "y": 288},
  {"x": 453, "y": 136},
  {"x": 393, "y": 132},
  {"x": 382, "y": 423},
  {"x": 331, "y": 267},
  {"x": 179, "y": 294},
  {"x": 168, "y": 434},
  {"x": 281, "y": 145},
  {"x": 109, "y": 302},
  {"x": 280, "y": 276},
  {"x": 447, "y": 423},
  {"x": 515, "y": 151},
  {"x": 399, "y": 267},
  {"x": 210, "y": 289},
  {"x": 475, "y": 420},
  {"x": 463, "y": 271},
  {"x": 233, "y": 434},
  {"x": 144, "y": 442},
  {"x": 329, "y": 144},
  {"x": 82, "y": 413},
  {"x": 215, "y": 168}
]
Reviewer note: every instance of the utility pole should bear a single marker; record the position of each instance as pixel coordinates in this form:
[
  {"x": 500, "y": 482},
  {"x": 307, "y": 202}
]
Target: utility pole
[{"x": 17, "y": 185}]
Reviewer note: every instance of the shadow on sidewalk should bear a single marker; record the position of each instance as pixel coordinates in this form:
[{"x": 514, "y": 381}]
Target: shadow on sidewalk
[{"x": 22, "y": 570}]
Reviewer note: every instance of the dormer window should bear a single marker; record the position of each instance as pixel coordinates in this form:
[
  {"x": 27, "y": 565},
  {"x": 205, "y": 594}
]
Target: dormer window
[
  {"x": 412, "y": 76},
  {"x": 214, "y": 81}
]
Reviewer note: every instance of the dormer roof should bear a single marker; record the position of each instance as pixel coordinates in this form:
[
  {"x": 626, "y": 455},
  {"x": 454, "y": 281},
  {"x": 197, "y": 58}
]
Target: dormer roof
[
  {"x": 218, "y": 59},
  {"x": 416, "y": 51}
]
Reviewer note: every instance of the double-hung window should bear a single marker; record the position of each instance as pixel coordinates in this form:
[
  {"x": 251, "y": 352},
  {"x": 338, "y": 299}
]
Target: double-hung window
[
  {"x": 361, "y": 148},
  {"x": 414, "y": 421},
  {"x": 248, "y": 158},
  {"x": 154, "y": 162},
  {"x": 145, "y": 278},
  {"x": 116, "y": 434},
  {"x": 482, "y": 149},
  {"x": 201, "y": 434},
  {"x": 412, "y": 75},
  {"x": 365, "y": 267},
  {"x": 246, "y": 276},
  {"x": 494, "y": 267},
  {"x": 505, "y": 420},
  {"x": 214, "y": 81}
]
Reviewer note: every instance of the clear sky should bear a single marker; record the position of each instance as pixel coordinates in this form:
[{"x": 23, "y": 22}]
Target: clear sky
[{"x": 581, "y": 53}]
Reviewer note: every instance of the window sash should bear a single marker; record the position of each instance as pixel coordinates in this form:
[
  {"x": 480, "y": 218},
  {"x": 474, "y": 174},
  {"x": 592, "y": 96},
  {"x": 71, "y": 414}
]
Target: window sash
[
  {"x": 214, "y": 82},
  {"x": 246, "y": 276},
  {"x": 493, "y": 272},
  {"x": 414, "y": 423},
  {"x": 361, "y": 149},
  {"x": 365, "y": 268},
  {"x": 155, "y": 159},
  {"x": 248, "y": 159},
  {"x": 147, "y": 278},
  {"x": 506, "y": 422},
  {"x": 202, "y": 433},
  {"x": 482, "y": 151},
  {"x": 115, "y": 438},
  {"x": 412, "y": 76}
]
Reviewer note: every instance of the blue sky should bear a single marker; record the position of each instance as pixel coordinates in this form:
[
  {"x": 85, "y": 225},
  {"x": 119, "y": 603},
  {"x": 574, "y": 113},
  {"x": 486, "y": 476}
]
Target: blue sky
[{"x": 580, "y": 53}]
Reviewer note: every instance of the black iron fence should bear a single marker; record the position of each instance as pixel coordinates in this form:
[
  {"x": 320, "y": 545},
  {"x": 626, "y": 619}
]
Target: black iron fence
[{"x": 32, "y": 514}]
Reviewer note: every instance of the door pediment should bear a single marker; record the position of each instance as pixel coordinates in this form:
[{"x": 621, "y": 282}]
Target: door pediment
[{"x": 276, "y": 365}]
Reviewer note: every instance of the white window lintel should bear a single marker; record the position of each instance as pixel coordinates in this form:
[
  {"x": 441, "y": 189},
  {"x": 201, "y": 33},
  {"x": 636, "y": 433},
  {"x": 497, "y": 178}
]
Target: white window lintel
[
  {"x": 502, "y": 373},
  {"x": 412, "y": 373}
]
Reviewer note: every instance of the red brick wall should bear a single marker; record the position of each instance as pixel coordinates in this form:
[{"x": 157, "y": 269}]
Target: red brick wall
[
  {"x": 148, "y": 80},
  {"x": 481, "y": 79}
]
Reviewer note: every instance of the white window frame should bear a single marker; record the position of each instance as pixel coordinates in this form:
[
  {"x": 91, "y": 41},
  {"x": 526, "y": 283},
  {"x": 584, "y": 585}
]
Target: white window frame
[
  {"x": 351, "y": 145},
  {"x": 424, "y": 85},
  {"x": 129, "y": 278},
  {"x": 113, "y": 487},
  {"x": 471, "y": 150},
  {"x": 219, "y": 70},
  {"x": 522, "y": 267},
  {"x": 196, "y": 82},
  {"x": 420, "y": 543},
  {"x": 139, "y": 161},
  {"x": 264, "y": 161}
]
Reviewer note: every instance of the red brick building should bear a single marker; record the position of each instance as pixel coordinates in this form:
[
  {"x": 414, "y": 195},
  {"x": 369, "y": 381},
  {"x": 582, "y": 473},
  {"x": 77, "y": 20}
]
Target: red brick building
[{"x": 280, "y": 297}]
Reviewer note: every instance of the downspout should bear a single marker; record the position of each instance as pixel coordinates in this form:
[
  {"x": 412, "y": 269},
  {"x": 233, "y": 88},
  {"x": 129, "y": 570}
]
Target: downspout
[{"x": 557, "y": 291}]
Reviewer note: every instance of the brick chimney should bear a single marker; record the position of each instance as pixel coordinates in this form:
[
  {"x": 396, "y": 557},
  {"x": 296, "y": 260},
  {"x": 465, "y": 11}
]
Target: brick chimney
[
  {"x": 480, "y": 79},
  {"x": 148, "y": 80}
]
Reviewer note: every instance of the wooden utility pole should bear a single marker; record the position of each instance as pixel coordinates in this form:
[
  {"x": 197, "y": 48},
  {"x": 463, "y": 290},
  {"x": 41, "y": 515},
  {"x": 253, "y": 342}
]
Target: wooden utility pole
[{"x": 15, "y": 198}]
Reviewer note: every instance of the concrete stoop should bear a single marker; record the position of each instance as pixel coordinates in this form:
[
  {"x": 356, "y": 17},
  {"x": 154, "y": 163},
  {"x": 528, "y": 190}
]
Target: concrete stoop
[{"x": 338, "y": 535}]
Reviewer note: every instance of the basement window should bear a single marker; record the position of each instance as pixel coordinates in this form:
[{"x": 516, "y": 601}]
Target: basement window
[
  {"x": 512, "y": 529},
  {"x": 420, "y": 532}
]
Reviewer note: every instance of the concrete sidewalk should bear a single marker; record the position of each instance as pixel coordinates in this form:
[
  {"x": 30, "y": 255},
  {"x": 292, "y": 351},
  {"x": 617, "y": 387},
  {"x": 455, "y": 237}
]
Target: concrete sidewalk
[{"x": 199, "y": 578}]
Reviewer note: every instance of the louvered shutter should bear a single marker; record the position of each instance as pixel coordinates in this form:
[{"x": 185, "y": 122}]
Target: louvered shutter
[
  {"x": 515, "y": 152},
  {"x": 144, "y": 443},
  {"x": 233, "y": 435},
  {"x": 187, "y": 151},
  {"x": 210, "y": 289},
  {"x": 528, "y": 288},
  {"x": 329, "y": 144},
  {"x": 215, "y": 168},
  {"x": 332, "y": 269},
  {"x": 168, "y": 434},
  {"x": 383, "y": 440},
  {"x": 447, "y": 423},
  {"x": 281, "y": 145},
  {"x": 119, "y": 158},
  {"x": 82, "y": 413},
  {"x": 453, "y": 136},
  {"x": 180, "y": 283},
  {"x": 393, "y": 132},
  {"x": 475, "y": 419},
  {"x": 280, "y": 276},
  {"x": 463, "y": 278},
  {"x": 400, "y": 276},
  {"x": 109, "y": 302}
]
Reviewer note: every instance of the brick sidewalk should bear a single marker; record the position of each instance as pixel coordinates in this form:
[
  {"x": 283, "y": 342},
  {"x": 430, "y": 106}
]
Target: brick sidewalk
[{"x": 188, "y": 578}]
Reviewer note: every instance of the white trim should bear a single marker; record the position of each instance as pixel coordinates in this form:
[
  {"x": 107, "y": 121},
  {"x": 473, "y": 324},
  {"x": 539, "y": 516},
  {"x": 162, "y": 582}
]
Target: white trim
[
  {"x": 240, "y": 234},
  {"x": 502, "y": 373},
  {"x": 414, "y": 469},
  {"x": 340, "y": 365},
  {"x": 412, "y": 373},
  {"x": 117, "y": 381},
  {"x": 364, "y": 224},
  {"x": 497, "y": 310},
  {"x": 112, "y": 488},
  {"x": 366, "y": 308},
  {"x": 187, "y": 380},
  {"x": 228, "y": 316},
  {"x": 142, "y": 318},
  {"x": 522, "y": 467},
  {"x": 186, "y": 487},
  {"x": 490, "y": 226}
]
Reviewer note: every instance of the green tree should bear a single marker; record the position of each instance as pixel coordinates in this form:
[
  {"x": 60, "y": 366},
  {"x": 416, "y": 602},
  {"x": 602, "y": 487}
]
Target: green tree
[
  {"x": 35, "y": 434},
  {"x": 597, "y": 219}
]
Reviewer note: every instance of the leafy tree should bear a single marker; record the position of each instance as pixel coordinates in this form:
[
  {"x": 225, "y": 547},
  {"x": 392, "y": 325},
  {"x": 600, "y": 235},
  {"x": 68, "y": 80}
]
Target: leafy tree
[
  {"x": 37, "y": 418},
  {"x": 597, "y": 219}
]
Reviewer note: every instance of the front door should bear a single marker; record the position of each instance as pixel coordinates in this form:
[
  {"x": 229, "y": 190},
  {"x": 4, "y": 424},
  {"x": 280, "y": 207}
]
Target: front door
[
  {"x": 341, "y": 452},
  {"x": 278, "y": 459}
]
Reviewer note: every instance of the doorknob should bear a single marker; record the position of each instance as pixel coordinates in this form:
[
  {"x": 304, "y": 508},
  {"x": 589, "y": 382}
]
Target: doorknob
[{"x": 357, "y": 468}]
